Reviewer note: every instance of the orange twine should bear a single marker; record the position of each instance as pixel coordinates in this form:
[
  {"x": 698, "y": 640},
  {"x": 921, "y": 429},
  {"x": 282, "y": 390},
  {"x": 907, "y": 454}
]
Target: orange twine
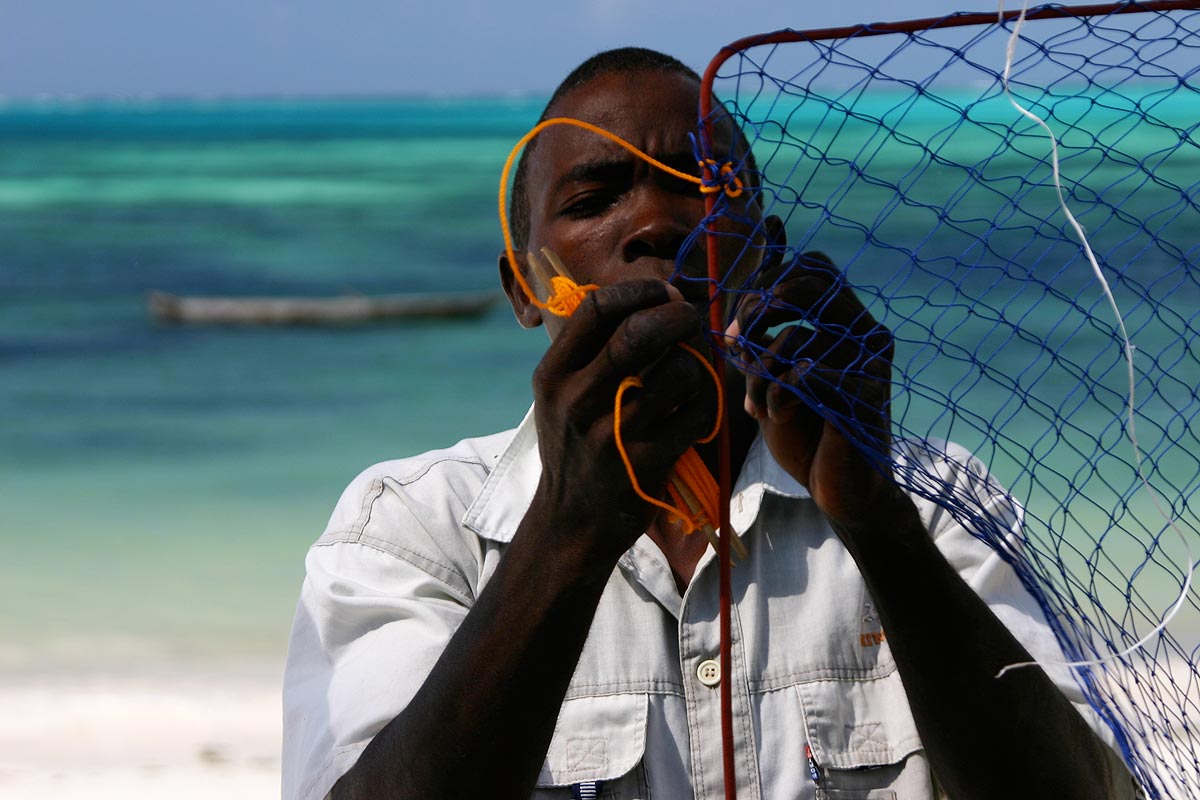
[
  {"x": 567, "y": 295},
  {"x": 690, "y": 468}
]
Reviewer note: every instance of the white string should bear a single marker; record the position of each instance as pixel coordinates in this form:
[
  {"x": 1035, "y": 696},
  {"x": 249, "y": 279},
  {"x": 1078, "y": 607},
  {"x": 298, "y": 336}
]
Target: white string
[{"x": 1130, "y": 428}]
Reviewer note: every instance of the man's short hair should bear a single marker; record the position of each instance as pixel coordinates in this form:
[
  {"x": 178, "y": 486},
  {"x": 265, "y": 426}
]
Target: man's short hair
[{"x": 622, "y": 60}]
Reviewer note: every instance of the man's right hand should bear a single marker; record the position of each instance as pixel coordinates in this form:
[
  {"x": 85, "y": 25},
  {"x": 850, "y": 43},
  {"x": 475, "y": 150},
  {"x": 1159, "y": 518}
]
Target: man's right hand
[{"x": 585, "y": 497}]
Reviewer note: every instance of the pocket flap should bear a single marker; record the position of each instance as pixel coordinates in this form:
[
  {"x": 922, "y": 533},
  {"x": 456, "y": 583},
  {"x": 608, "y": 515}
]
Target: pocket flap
[
  {"x": 596, "y": 739},
  {"x": 854, "y": 724}
]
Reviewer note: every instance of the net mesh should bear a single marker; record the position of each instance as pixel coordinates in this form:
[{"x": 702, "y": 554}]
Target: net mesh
[{"x": 902, "y": 158}]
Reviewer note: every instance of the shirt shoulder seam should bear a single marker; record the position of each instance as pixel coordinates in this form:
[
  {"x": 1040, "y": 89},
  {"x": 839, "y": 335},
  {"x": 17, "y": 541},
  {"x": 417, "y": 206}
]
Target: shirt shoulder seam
[{"x": 447, "y": 574}]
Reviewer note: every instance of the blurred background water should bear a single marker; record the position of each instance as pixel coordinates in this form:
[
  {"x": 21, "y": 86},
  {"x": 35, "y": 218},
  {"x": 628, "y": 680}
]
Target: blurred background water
[{"x": 160, "y": 485}]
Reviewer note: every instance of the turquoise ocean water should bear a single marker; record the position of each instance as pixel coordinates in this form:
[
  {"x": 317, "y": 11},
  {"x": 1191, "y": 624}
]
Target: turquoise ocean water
[{"x": 159, "y": 486}]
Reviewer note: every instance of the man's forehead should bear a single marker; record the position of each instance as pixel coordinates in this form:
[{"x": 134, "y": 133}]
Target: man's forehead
[
  {"x": 651, "y": 110},
  {"x": 655, "y": 111}
]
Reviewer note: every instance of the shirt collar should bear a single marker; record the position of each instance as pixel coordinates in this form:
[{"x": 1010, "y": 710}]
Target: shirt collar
[
  {"x": 507, "y": 492},
  {"x": 760, "y": 474},
  {"x": 501, "y": 504}
]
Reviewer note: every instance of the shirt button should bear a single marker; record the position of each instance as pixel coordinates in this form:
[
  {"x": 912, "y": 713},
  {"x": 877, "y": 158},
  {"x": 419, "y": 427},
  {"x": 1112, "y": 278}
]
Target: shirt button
[{"x": 709, "y": 672}]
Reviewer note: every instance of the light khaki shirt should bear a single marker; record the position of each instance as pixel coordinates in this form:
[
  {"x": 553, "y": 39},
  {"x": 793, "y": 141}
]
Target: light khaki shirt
[{"x": 413, "y": 542}]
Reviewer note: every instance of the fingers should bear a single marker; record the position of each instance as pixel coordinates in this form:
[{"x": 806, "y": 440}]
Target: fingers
[
  {"x": 832, "y": 363},
  {"x": 793, "y": 377},
  {"x": 814, "y": 292},
  {"x": 797, "y": 349},
  {"x": 630, "y": 329},
  {"x": 776, "y": 378},
  {"x": 820, "y": 296},
  {"x": 676, "y": 404},
  {"x": 593, "y": 326},
  {"x": 621, "y": 331}
]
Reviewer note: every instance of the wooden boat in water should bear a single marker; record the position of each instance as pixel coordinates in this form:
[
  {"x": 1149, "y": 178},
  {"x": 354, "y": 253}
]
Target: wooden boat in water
[{"x": 344, "y": 310}]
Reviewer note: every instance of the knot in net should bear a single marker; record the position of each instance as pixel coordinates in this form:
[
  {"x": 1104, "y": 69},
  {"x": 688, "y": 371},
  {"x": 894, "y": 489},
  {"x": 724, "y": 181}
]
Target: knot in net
[{"x": 722, "y": 178}]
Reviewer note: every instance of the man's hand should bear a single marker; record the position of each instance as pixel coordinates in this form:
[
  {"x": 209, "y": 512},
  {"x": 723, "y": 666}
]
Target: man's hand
[
  {"x": 483, "y": 720},
  {"x": 830, "y": 354},
  {"x": 627, "y": 329}
]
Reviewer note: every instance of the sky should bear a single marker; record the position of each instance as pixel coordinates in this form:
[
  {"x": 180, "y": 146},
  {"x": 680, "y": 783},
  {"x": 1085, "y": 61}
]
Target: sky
[{"x": 135, "y": 48}]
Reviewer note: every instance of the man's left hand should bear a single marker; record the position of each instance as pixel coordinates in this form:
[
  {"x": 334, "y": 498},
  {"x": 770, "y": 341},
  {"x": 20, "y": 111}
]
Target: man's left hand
[{"x": 830, "y": 360}]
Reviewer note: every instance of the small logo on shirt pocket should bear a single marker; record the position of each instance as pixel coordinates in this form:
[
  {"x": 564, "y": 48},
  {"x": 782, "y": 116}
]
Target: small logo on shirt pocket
[
  {"x": 871, "y": 634},
  {"x": 871, "y": 638}
]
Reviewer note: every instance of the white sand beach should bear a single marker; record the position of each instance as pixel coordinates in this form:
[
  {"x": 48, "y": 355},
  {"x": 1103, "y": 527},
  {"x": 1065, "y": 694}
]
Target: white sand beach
[
  {"x": 181, "y": 736},
  {"x": 192, "y": 734}
]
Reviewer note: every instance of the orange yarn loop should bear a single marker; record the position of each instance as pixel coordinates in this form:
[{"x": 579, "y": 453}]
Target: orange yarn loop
[
  {"x": 567, "y": 295},
  {"x": 690, "y": 469}
]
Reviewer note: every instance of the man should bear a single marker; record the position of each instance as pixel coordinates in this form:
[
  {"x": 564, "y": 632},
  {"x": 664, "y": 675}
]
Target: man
[{"x": 507, "y": 618}]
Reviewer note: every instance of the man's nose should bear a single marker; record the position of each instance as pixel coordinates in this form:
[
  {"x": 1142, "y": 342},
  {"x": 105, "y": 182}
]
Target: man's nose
[{"x": 658, "y": 224}]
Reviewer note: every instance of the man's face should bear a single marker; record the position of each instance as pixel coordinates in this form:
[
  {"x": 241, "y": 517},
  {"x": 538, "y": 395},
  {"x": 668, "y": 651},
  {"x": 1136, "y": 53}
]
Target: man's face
[{"x": 608, "y": 214}]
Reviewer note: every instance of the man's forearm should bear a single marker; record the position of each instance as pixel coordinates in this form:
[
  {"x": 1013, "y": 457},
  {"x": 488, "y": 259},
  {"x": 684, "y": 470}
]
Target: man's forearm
[
  {"x": 482, "y": 722},
  {"x": 986, "y": 737}
]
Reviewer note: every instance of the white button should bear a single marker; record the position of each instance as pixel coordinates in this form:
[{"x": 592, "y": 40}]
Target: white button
[{"x": 709, "y": 672}]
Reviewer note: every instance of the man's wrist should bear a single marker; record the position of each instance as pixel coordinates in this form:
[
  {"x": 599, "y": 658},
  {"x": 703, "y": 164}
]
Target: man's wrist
[
  {"x": 577, "y": 549},
  {"x": 885, "y": 526}
]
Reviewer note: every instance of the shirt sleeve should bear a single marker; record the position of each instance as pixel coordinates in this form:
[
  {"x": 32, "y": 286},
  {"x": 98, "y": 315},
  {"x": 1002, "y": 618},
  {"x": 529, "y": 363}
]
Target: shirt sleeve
[{"x": 380, "y": 601}]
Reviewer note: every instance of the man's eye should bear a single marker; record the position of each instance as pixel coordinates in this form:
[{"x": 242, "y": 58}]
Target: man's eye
[
  {"x": 588, "y": 203},
  {"x": 680, "y": 186}
]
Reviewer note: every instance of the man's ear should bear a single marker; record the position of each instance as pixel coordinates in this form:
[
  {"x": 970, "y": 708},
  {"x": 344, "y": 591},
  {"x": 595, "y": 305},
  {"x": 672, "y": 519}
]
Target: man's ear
[{"x": 529, "y": 315}]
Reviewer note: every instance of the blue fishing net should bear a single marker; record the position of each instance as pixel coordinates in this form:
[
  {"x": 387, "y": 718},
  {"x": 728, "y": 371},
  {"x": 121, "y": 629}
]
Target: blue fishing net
[{"x": 902, "y": 158}]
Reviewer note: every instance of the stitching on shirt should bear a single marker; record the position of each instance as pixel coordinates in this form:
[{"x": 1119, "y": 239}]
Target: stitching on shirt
[
  {"x": 585, "y": 753},
  {"x": 450, "y": 568},
  {"x": 820, "y": 674},
  {"x": 886, "y": 755},
  {"x": 368, "y": 505},
  {"x": 448, "y": 577},
  {"x": 574, "y": 766},
  {"x": 689, "y": 697},
  {"x": 390, "y": 547},
  {"x": 749, "y": 765},
  {"x": 357, "y": 534},
  {"x": 344, "y": 536},
  {"x": 580, "y": 690},
  {"x": 425, "y": 466},
  {"x": 883, "y": 750},
  {"x": 867, "y": 737},
  {"x": 377, "y": 485},
  {"x": 446, "y": 573}
]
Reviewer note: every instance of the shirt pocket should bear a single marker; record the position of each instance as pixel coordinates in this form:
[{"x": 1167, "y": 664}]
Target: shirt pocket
[
  {"x": 599, "y": 740},
  {"x": 864, "y": 739}
]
